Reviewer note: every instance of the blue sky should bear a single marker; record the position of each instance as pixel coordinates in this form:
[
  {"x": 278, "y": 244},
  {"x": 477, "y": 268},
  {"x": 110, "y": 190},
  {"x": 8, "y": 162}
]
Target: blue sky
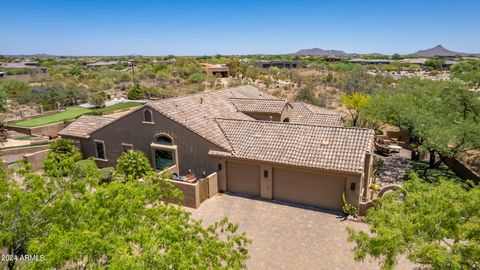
[{"x": 72, "y": 27}]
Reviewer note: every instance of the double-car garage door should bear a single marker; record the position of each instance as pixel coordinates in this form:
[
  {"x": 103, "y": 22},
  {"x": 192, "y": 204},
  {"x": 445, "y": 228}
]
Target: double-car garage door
[{"x": 289, "y": 185}]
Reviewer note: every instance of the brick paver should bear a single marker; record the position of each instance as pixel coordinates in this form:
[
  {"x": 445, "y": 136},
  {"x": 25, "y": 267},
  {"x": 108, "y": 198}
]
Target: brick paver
[{"x": 287, "y": 236}]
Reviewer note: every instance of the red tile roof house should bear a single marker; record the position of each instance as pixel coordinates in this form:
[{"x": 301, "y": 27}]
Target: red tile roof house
[{"x": 257, "y": 144}]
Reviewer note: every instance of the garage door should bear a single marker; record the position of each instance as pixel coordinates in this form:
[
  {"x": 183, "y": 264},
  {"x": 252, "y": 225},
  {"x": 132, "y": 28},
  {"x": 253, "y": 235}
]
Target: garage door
[
  {"x": 308, "y": 188},
  {"x": 243, "y": 178}
]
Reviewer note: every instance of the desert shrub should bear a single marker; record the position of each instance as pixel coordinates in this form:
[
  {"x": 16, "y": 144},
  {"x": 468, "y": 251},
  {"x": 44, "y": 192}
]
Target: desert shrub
[
  {"x": 86, "y": 169},
  {"x": 106, "y": 174},
  {"x": 61, "y": 158},
  {"x": 134, "y": 165},
  {"x": 197, "y": 77}
]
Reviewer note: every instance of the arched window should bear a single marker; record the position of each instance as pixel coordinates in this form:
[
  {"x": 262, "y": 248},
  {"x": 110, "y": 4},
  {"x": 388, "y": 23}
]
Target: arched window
[
  {"x": 164, "y": 139},
  {"x": 147, "y": 116}
]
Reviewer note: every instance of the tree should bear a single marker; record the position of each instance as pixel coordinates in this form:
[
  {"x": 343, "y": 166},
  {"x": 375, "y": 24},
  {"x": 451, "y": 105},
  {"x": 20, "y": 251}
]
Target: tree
[
  {"x": 436, "y": 63},
  {"x": 61, "y": 158},
  {"x": 468, "y": 72},
  {"x": 307, "y": 94},
  {"x": 197, "y": 77},
  {"x": 14, "y": 88},
  {"x": 441, "y": 117},
  {"x": 117, "y": 225},
  {"x": 134, "y": 165},
  {"x": 396, "y": 56},
  {"x": 135, "y": 92},
  {"x": 113, "y": 228},
  {"x": 355, "y": 103},
  {"x": 98, "y": 99},
  {"x": 436, "y": 225}
]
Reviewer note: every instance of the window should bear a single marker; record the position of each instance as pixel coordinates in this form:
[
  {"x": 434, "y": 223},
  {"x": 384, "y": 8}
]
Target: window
[
  {"x": 126, "y": 147},
  {"x": 163, "y": 159},
  {"x": 100, "y": 149},
  {"x": 147, "y": 116},
  {"x": 286, "y": 120},
  {"x": 164, "y": 139}
]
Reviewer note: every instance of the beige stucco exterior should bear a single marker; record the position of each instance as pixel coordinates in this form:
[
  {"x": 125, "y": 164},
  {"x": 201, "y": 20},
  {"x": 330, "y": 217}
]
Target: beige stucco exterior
[{"x": 292, "y": 184}]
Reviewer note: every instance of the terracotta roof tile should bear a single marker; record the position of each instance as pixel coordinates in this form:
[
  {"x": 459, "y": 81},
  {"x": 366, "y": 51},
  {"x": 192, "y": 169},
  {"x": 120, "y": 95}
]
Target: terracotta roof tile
[
  {"x": 85, "y": 125},
  {"x": 321, "y": 147},
  {"x": 198, "y": 112},
  {"x": 304, "y": 113},
  {"x": 259, "y": 105}
]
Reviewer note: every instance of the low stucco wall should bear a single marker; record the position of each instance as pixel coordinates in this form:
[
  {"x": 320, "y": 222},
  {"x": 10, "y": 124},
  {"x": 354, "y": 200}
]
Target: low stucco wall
[
  {"x": 191, "y": 192},
  {"x": 24, "y": 150},
  {"x": 36, "y": 159},
  {"x": 46, "y": 130}
]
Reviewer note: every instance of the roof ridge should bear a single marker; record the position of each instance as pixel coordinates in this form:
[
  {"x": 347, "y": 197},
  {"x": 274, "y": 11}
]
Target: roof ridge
[
  {"x": 272, "y": 99},
  {"x": 292, "y": 124},
  {"x": 224, "y": 134},
  {"x": 205, "y": 93}
]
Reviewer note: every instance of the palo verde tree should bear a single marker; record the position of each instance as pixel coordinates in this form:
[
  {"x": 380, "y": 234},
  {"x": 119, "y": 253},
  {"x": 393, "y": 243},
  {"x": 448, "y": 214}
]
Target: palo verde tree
[
  {"x": 469, "y": 72},
  {"x": 441, "y": 117},
  {"x": 355, "y": 103},
  {"x": 433, "y": 224}
]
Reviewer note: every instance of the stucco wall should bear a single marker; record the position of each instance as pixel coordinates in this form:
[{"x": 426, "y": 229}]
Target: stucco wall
[
  {"x": 36, "y": 159},
  {"x": 192, "y": 149}
]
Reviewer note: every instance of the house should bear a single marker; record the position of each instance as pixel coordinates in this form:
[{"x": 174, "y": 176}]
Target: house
[
  {"x": 278, "y": 64},
  {"x": 217, "y": 69},
  {"x": 257, "y": 144},
  {"x": 370, "y": 61}
]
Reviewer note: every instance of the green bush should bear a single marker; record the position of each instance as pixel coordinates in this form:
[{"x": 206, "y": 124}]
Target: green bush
[
  {"x": 61, "y": 158},
  {"x": 135, "y": 93},
  {"x": 197, "y": 77},
  {"x": 106, "y": 174},
  {"x": 86, "y": 169},
  {"x": 134, "y": 165}
]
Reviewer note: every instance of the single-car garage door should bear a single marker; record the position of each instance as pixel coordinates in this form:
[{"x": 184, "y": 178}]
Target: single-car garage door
[
  {"x": 308, "y": 188},
  {"x": 243, "y": 178}
]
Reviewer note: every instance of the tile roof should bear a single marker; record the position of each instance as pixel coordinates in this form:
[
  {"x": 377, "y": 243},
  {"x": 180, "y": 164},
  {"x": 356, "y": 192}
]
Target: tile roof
[
  {"x": 320, "y": 147},
  {"x": 198, "y": 112},
  {"x": 85, "y": 125},
  {"x": 250, "y": 105},
  {"x": 304, "y": 113}
]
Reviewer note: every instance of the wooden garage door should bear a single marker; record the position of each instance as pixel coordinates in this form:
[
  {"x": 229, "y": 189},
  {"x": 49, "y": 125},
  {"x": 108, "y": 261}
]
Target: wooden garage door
[
  {"x": 243, "y": 178},
  {"x": 308, "y": 188}
]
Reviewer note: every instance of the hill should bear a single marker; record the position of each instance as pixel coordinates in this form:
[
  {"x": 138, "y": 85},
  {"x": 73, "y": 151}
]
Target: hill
[
  {"x": 439, "y": 50},
  {"x": 318, "y": 51}
]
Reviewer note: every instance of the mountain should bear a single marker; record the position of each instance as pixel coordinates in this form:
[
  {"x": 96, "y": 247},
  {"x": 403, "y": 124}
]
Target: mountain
[
  {"x": 318, "y": 51},
  {"x": 439, "y": 50}
]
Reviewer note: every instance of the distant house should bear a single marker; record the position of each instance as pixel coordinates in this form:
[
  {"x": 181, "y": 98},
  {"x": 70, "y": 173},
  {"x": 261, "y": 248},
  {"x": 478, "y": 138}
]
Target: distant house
[
  {"x": 278, "y": 64},
  {"x": 257, "y": 144},
  {"x": 217, "y": 69},
  {"x": 102, "y": 64},
  {"x": 2, "y": 74},
  {"x": 370, "y": 61}
]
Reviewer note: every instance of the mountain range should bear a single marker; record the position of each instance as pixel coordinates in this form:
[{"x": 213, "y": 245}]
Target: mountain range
[{"x": 438, "y": 50}]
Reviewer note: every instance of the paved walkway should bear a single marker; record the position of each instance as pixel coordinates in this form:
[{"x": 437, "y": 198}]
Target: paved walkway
[
  {"x": 394, "y": 168},
  {"x": 288, "y": 237}
]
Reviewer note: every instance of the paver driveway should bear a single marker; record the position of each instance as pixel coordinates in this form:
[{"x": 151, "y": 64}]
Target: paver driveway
[{"x": 286, "y": 236}]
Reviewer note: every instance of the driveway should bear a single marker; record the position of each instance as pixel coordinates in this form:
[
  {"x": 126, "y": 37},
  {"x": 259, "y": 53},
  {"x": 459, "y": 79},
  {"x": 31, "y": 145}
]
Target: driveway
[{"x": 287, "y": 236}]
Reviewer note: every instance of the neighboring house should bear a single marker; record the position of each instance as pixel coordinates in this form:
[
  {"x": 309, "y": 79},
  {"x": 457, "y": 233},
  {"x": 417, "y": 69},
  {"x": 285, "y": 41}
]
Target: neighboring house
[
  {"x": 217, "y": 69},
  {"x": 278, "y": 64},
  {"x": 258, "y": 145}
]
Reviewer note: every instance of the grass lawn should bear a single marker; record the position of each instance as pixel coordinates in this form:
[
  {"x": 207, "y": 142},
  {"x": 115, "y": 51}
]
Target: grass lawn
[{"x": 71, "y": 113}]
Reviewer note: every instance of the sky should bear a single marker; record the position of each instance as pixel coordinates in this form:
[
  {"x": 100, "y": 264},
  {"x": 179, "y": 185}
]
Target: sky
[{"x": 209, "y": 27}]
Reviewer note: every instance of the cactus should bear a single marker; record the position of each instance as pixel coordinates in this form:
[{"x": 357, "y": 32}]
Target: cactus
[{"x": 349, "y": 209}]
